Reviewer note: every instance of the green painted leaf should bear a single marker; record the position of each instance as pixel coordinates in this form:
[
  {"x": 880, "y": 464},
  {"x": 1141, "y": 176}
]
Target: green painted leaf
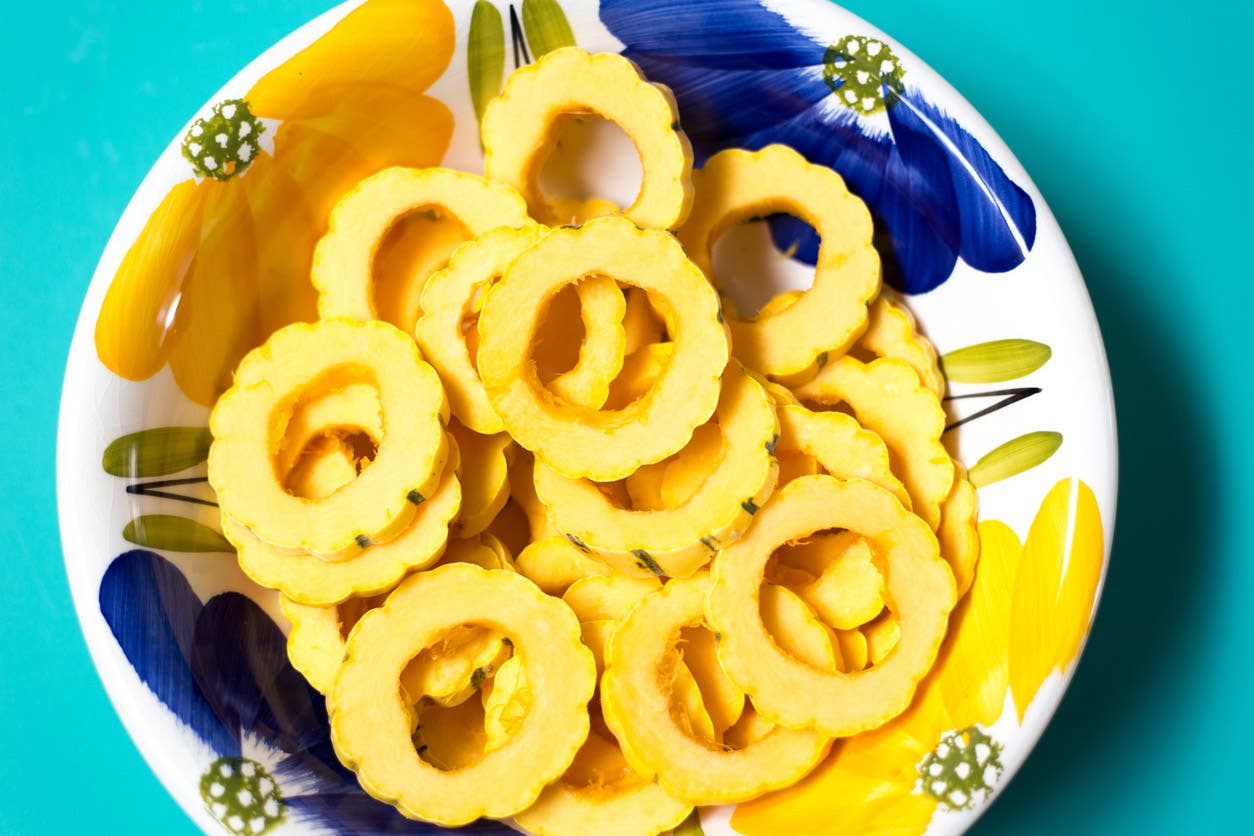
[
  {"x": 176, "y": 534},
  {"x": 690, "y": 826},
  {"x": 546, "y": 26},
  {"x": 158, "y": 451},
  {"x": 485, "y": 55},
  {"x": 994, "y": 362},
  {"x": 1014, "y": 457}
]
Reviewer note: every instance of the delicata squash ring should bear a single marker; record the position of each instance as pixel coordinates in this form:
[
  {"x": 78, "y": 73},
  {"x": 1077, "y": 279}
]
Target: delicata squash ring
[
  {"x": 637, "y": 708},
  {"x": 307, "y": 579},
  {"x": 370, "y": 722},
  {"x": 581, "y": 442},
  {"x": 295, "y": 363},
  {"x": 677, "y": 541},
  {"x": 519, "y": 126},
  {"x": 918, "y": 583},
  {"x": 887, "y": 398},
  {"x": 343, "y": 261},
  {"x": 735, "y": 185}
]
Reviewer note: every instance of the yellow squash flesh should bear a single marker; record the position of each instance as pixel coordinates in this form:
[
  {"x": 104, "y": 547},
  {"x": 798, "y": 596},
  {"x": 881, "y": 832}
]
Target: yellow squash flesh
[
  {"x": 637, "y": 708},
  {"x": 735, "y": 185},
  {"x": 677, "y": 541},
  {"x": 838, "y": 445},
  {"x": 520, "y": 124},
  {"x": 344, "y": 260},
  {"x": 484, "y": 478},
  {"x": 919, "y": 584},
  {"x": 271, "y": 381},
  {"x": 581, "y": 442},
  {"x": 370, "y": 722}
]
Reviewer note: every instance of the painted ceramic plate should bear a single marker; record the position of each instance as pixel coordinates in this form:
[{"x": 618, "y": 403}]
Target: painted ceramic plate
[{"x": 213, "y": 254}]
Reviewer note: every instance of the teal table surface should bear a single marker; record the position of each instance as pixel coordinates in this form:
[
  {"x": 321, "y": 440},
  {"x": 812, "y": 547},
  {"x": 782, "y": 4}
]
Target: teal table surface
[{"x": 1130, "y": 117}]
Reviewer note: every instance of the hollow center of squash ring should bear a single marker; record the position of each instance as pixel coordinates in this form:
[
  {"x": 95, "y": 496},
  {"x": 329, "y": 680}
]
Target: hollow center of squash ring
[
  {"x": 590, "y": 157},
  {"x": 753, "y": 268},
  {"x": 417, "y": 245}
]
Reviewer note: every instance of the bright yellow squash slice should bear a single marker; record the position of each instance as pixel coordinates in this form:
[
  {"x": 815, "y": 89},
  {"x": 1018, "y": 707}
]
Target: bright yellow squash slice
[
  {"x": 326, "y": 466},
  {"x": 919, "y": 584},
  {"x": 735, "y": 185},
  {"x": 349, "y": 410},
  {"x": 611, "y": 597},
  {"x": 641, "y": 325},
  {"x": 344, "y": 260},
  {"x": 308, "y": 579},
  {"x": 484, "y": 478},
  {"x": 796, "y": 630},
  {"x": 887, "y": 398},
  {"x": 298, "y": 362},
  {"x": 639, "y": 372},
  {"x": 848, "y": 589},
  {"x": 315, "y": 643},
  {"x": 451, "y": 302},
  {"x": 722, "y": 699},
  {"x": 638, "y": 710},
  {"x": 958, "y": 533},
  {"x": 451, "y": 669},
  {"x": 577, "y": 441},
  {"x": 370, "y": 721},
  {"x": 838, "y": 445},
  {"x": 555, "y": 563},
  {"x": 891, "y": 332},
  {"x": 484, "y": 550},
  {"x": 677, "y": 541},
  {"x": 519, "y": 125}
]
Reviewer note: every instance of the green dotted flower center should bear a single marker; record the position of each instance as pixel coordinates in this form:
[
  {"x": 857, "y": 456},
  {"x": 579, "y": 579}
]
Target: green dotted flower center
[
  {"x": 242, "y": 795},
  {"x": 226, "y": 143},
  {"x": 862, "y": 73},
  {"x": 962, "y": 770}
]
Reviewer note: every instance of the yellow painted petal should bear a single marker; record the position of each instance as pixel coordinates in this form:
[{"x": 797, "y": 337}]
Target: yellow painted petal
[
  {"x": 1084, "y": 570},
  {"x": 132, "y": 328},
  {"x": 1037, "y": 624},
  {"x": 285, "y": 233},
  {"x": 973, "y": 672},
  {"x": 407, "y": 43},
  {"x": 216, "y": 324},
  {"x": 367, "y": 129}
]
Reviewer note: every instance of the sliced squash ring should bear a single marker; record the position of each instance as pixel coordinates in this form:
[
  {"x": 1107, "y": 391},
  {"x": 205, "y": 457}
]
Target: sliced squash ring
[
  {"x": 555, "y": 563},
  {"x": 449, "y": 297},
  {"x": 370, "y": 722},
  {"x": 919, "y": 586},
  {"x": 577, "y": 441},
  {"x": 519, "y": 126},
  {"x": 624, "y": 808},
  {"x": 326, "y": 466},
  {"x": 315, "y": 643},
  {"x": 343, "y": 261},
  {"x": 308, "y": 580},
  {"x": 350, "y": 409},
  {"x": 891, "y": 332},
  {"x": 294, "y": 363},
  {"x": 840, "y": 446},
  {"x": 637, "y": 710},
  {"x": 887, "y": 398},
  {"x": 735, "y": 185},
  {"x": 678, "y": 541},
  {"x": 601, "y": 353},
  {"x": 467, "y": 655},
  {"x": 607, "y": 597},
  {"x": 484, "y": 478},
  {"x": 958, "y": 533}
]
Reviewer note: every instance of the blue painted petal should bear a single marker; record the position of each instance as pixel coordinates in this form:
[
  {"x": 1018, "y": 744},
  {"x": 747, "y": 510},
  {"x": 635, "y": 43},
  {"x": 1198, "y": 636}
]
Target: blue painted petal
[
  {"x": 722, "y": 34},
  {"x": 152, "y": 612},
  {"x": 357, "y": 814},
  {"x": 995, "y": 217},
  {"x": 239, "y": 657},
  {"x": 718, "y": 109}
]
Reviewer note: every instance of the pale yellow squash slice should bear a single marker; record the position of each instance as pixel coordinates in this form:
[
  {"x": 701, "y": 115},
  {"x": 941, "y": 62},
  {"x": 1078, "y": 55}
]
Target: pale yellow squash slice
[
  {"x": 451, "y": 669},
  {"x": 484, "y": 477},
  {"x": 326, "y": 466},
  {"x": 735, "y": 185},
  {"x": 838, "y": 445},
  {"x": 637, "y": 707},
  {"x": 722, "y": 699},
  {"x": 918, "y": 583},
  {"x": 882, "y": 637},
  {"x": 370, "y": 721},
  {"x": 601, "y": 349},
  {"x": 796, "y": 630},
  {"x": 580, "y": 442},
  {"x": 484, "y": 550},
  {"x": 677, "y": 541},
  {"x": 609, "y": 597},
  {"x": 506, "y": 698},
  {"x": 344, "y": 411},
  {"x": 343, "y": 261},
  {"x": 316, "y": 641},
  {"x": 891, "y": 332},
  {"x": 849, "y": 590},
  {"x": 299, "y": 361},
  {"x": 307, "y": 579},
  {"x": 555, "y": 563},
  {"x": 887, "y": 398},
  {"x": 958, "y": 533},
  {"x": 519, "y": 125},
  {"x": 451, "y": 301}
]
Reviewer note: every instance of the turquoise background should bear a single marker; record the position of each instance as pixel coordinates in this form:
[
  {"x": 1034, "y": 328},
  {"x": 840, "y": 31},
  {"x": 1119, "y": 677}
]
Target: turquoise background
[{"x": 1131, "y": 119}]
